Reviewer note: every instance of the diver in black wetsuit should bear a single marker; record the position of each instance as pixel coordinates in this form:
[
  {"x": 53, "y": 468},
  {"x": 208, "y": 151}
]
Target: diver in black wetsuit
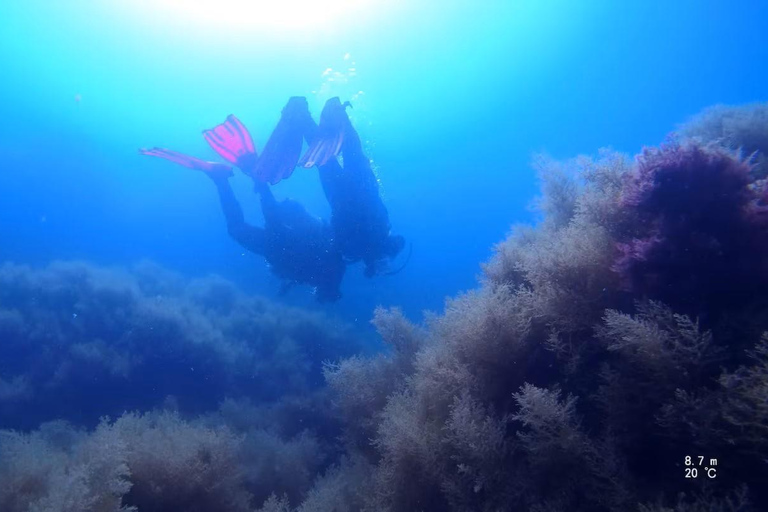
[
  {"x": 359, "y": 219},
  {"x": 298, "y": 246}
]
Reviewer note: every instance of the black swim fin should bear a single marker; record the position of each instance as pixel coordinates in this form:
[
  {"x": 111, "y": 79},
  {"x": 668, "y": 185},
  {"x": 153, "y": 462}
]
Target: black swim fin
[
  {"x": 330, "y": 134},
  {"x": 283, "y": 149}
]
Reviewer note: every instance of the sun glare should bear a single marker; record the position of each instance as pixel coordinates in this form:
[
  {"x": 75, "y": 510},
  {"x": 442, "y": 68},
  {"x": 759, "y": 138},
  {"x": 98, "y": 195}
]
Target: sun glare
[{"x": 270, "y": 14}]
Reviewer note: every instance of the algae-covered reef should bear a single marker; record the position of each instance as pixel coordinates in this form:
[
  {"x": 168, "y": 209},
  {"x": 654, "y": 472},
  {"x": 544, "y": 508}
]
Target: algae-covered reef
[
  {"x": 80, "y": 342},
  {"x": 622, "y": 334},
  {"x": 608, "y": 352},
  {"x": 738, "y": 127}
]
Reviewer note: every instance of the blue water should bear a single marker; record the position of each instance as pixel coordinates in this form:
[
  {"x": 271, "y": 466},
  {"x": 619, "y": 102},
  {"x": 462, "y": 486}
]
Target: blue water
[{"x": 457, "y": 97}]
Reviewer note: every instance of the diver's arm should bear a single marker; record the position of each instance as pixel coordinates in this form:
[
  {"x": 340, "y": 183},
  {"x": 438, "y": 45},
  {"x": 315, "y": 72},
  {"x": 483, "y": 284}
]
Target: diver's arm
[{"x": 249, "y": 237}]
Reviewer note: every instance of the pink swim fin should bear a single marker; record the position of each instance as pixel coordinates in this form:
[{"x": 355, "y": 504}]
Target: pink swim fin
[
  {"x": 232, "y": 142},
  {"x": 190, "y": 162},
  {"x": 327, "y": 145}
]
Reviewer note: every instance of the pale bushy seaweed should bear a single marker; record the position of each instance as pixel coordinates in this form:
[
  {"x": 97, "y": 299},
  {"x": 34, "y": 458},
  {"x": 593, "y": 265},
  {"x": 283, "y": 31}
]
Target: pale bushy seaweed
[
  {"x": 745, "y": 401},
  {"x": 58, "y": 469},
  {"x": 375, "y": 378},
  {"x": 737, "y": 501},
  {"x": 344, "y": 487},
  {"x": 138, "y": 462},
  {"x": 275, "y": 504},
  {"x": 565, "y": 262},
  {"x": 175, "y": 465},
  {"x": 142, "y": 335},
  {"x": 557, "y": 202},
  {"x": 160, "y": 462},
  {"x": 736, "y": 127}
]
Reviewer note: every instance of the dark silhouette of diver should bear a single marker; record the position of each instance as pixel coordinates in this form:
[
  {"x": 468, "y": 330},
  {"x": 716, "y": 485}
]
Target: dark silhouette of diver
[
  {"x": 298, "y": 246},
  {"x": 359, "y": 219}
]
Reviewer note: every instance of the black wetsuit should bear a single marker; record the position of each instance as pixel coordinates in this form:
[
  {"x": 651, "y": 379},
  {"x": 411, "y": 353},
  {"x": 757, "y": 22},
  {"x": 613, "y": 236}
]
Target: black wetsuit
[
  {"x": 298, "y": 246},
  {"x": 359, "y": 218}
]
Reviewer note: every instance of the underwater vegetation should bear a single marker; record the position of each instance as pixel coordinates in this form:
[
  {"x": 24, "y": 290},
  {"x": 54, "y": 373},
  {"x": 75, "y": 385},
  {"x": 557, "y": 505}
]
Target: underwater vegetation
[
  {"x": 743, "y": 128},
  {"x": 112, "y": 340},
  {"x": 623, "y": 333},
  {"x": 699, "y": 232}
]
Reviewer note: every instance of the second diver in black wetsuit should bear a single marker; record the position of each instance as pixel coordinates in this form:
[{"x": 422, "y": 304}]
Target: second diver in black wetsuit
[{"x": 359, "y": 219}]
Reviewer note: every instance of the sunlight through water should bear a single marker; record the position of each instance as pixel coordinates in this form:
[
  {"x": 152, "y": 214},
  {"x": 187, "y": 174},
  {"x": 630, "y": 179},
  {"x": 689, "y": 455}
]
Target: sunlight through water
[{"x": 252, "y": 14}]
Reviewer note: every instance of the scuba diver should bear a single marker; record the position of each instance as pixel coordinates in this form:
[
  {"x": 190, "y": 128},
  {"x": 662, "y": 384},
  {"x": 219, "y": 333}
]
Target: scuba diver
[
  {"x": 359, "y": 219},
  {"x": 298, "y": 246}
]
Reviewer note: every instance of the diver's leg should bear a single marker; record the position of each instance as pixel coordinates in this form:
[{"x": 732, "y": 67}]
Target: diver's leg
[
  {"x": 283, "y": 149},
  {"x": 330, "y": 172},
  {"x": 250, "y": 237},
  {"x": 330, "y": 135}
]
